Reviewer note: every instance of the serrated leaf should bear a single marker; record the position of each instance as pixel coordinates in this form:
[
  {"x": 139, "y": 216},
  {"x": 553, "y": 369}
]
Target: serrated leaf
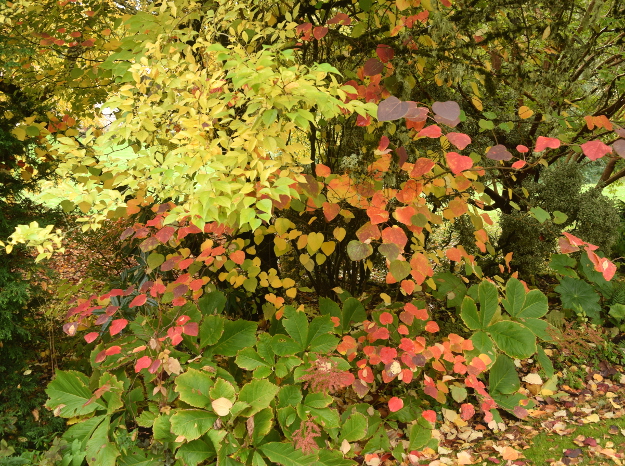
[
  {"x": 250, "y": 360},
  {"x": 545, "y": 362},
  {"x": 258, "y": 394},
  {"x": 355, "y": 428},
  {"x": 353, "y": 311},
  {"x": 191, "y": 423},
  {"x": 503, "y": 377},
  {"x": 286, "y": 455},
  {"x": 296, "y": 325},
  {"x": 195, "y": 452},
  {"x": 70, "y": 390},
  {"x": 579, "y": 296},
  {"x": 513, "y": 339},
  {"x": 211, "y": 330}
]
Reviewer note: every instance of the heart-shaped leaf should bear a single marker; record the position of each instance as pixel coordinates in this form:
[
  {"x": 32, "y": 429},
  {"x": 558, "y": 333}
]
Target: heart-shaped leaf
[
  {"x": 458, "y": 163},
  {"x": 392, "y": 109},
  {"x": 373, "y": 66},
  {"x": 498, "y": 152},
  {"x": 358, "y": 251}
]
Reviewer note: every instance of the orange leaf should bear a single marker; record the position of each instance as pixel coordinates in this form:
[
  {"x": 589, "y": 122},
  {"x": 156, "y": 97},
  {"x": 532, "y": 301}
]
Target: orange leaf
[
  {"x": 395, "y": 235},
  {"x": 377, "y": 215},
  {"x": 421, "y": 167},
  {"x": 322, "y": 170},
  {"x": 432, "y": 327},
  {"x": 458, "y": 163},
  {"x": 117, "y": 326},
  {"x": 138, "y": 300},
  {"x": 395, "y": 404},
  {"x": 237, "y": 257},
  {"x": 330, "y": 211}
]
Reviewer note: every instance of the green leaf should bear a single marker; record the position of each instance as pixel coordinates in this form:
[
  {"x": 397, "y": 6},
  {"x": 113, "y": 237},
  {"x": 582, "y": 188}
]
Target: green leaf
[
  {"x": 296, "y": 325},
  {"x": 459, "y": 394},
  {"x": 289, "y": 395},
  {"x": 503, "y": 377},
  {"x": 540, "y": 214},
  {"x": 191, "y": 423},
  {"x": 469, "y": 314},
  {"x": 332, "y": 458},
  {"x": 488, "y": 296},
  {"x": 258, "y": 394},
  {"x": 513, "y": 339},
  {"x": 324, "y": 344},
  {"x": 286, "y": 455},
  {"x": 579, "y": 296},
  {"x": 617, "y": 311},
  {"x": 139, "y": 457},
  {"x": 69, "y": 389},
  {"x": 329, "y": 307},
  {"x": 263, "y": 421},
  {"x": 538, "y": 327},
  {"x": 211, "y": 330},
  {"x": 319, "y": 327},
  {"x": 353, "y": 311},
  {"x": 400, "y": 269},
  {"x": 100, "y": 451},
  {"x": 545, "y": 362},
  {"x": 237, "y": 335},
  {"x": 285, "y": 365},
  {"x": 250, "y": 360},
  {"x": 193, "y": 387},
  {"x": 563, "y": 264},
  {"x": 605, "y": 287},
  {"x": 420, "y": 434},
  {"x": 82, "y": 431},
  {"x": 162, "y": 429},
  {"x": 449, "y": 287},
  {"x": 355, "y": 428},
  {"x": 212, "y": 303},
  {"x": 284, "y": 345},
  {"x": 195, "y": 452},
  {"x": 559, "y": 217},
  {"x": 358, "y": 251},
  {"x": 486, "y": 125},
  {"x": 222, "y": 389},
  {"x": 113, "y": 396},
  {"x": 536, "y": 305},
  {"x": 515, "y": 297}
]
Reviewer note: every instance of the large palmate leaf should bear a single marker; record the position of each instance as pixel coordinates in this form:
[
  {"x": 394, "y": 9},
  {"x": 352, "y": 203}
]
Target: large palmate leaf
[
  {"x": 503, "y": 377},
  {"x": 211, "y": 330},
  {"x": 513, "y": 339},
  {"x": 70, "y": 392},
  {"x": 449, "y": 287},
  {"x": 353, "y": 311},
  {"x": 139, "y": 457},
  {"x": 488, "y": 297},
  {"x": 355, "y": 428},
  {"x": 296, "y": 325},
  {"x": 518, "y": 303},
  {"x": 100, "y": 450},
  {"x": 579, "y": 296}
]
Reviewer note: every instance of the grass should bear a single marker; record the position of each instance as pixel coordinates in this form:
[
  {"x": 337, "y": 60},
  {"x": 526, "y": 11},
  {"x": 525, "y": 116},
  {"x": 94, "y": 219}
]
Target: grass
[{"x": 577, "y": 444}]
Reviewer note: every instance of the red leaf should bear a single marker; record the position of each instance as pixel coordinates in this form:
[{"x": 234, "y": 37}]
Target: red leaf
[
  {"x": 165, "y": 233},
  {"x": 408, "y": 286},
  {"x": 75, "y": 34},
  {"x": 88, "y": 43},
  {"x": 340, "y": 18},
  {"x": 499, "y": 152},
  {"x": 467, "y": 410},
  {"x": 385, "y": 52},
  {"x": 432, "y": 131},
  {"x": 522, "y": 149},
  {"x": 330, "y": 211},
  {"x": 421, "y": 314},
  {"x": 157, "y": 288},
  {"x": 90, "y": 12},
  {"x": 460, "y": 140},
  {"x": 429, "y": 415},
  {"x": 432, "y": 327},
  {"x": 391, "y": 108},
  {"x": 416, "y": 114},
  {"x": 458, "y": 163},
  {"x": 237, "y": 257},
  {"x": 101, "y": 356},
  {"x": 619, "y": 147},
  {"x": 182, "y": 320},
  {"x": 449, "y": 110},
  {"x": 383, "y": 144},
  {"x": 373, "y": 66},
  {"x": 89, "y": 337},
  {"x": 154, "y": 367},
  {"x": 113, "y": 350},
  {"x": 363, "y": 121},
  {"x": 421, "y": 167},
  {"x": 322, "y": 170},
  {"x": 377, "y": 215},
  {"x": 395, "y": 235},
  {"x": 190, "y": 329},
  {"x": 519, "y": 164},
  {"x": 543, "y": 143},
  {"x": 320, "y": 32},
  {"x": 386, "y": 318},
  {"x": 595, "y": 149},
  {"x": 395, "y": 404},
  {"x": 143, "y": 363},
  {"x": 368, "y": 232},
  {"x": 117, "y": 326},
  {"x": 138, "y": 301}
]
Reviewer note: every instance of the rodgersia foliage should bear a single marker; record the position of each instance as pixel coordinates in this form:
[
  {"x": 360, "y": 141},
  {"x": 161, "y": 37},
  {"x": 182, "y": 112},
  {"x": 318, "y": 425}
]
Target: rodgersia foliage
[{"x": 306, "y": 130}]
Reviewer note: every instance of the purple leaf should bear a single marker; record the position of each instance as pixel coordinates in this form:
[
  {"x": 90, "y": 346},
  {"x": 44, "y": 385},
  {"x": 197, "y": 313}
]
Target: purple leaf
[
  {"x": 499, "y": 152},
  {"x": 392, "y": 109},
  {"x": 449, "y": 110},
  {"x": 373, "y": 66}
]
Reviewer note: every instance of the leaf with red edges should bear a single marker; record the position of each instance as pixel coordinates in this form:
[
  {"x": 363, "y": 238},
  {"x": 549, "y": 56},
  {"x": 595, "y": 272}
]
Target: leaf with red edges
[
  {"x": 395, "y": 404},
  {"x": 372, "y": 67},
  {"x": 330, "y": 211},
  {"x": 595, "y": 149},
  {"x": 117, "y": 326},
  {"x": 458, "y": 163},
  {"x": 432, "y": 131},
  {"x": 421, "y": 167},
  {"x": 143, "y": 363},
  {"x": 139, "y": 300},
  {"x": 385, "y": 52},
  {"x": 460, "y": 140},
  {"x": 238, "y": 257},
  {"x": 320, "y": 32},
  {"x": 543, "y": 143},
  {"x": 391, "y": 108},
  {"x": 90, "y": 337},
  {"x": 368, "y": 232},
  {"x": 165, "y": 233}
]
